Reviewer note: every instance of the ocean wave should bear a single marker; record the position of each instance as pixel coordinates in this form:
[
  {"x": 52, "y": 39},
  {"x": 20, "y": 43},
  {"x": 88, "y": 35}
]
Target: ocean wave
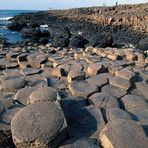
[{"x": 5, "y": 18}]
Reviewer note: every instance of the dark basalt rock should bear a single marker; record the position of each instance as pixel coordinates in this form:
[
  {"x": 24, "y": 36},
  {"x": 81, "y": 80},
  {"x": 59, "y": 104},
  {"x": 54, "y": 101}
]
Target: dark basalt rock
[
  {"x": 30, "y": 32},
  {"x": 60, "y": 41},
  {"x": 143, "y": 44},
  {"x": 78, "y": 42},
  {"x": 16, "y": 26}
]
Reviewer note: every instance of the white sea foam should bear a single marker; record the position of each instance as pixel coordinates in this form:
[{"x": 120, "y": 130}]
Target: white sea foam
[
  {"x": 44, "y": 26},
  {"x": 5, "y": 18}
]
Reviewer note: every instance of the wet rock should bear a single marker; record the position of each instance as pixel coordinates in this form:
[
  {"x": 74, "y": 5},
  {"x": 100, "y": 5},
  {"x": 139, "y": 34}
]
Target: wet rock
[
  {"x": 43, "y": 94},
  {"x": 132, "y": 101},
  {"x": 95, "y": 69},
  {"x": 23, "y": 94},
  {"x": 120, "y": 82},
  {"x": 41, "y": 130},
  {"x": 116, "y": 92},
  {"x": 114, "y": 114},
  {"x": 124, "y": 134},
  {"x": 15, "y": 26},
  {"x": 82, "y": 88},
  {"x": 103, "y": 101}
]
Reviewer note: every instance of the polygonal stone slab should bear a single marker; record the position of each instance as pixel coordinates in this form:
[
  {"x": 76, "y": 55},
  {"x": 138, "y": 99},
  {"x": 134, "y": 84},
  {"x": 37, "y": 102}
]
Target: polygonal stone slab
[
  {"x": 75, "y": 75},
  {"x": 87, "y": 121},
  {"x": 12, "y": 83},
  {"x": 98, "y": 80},
  {"x": 29, "y": 71},
  {"x": 23, "y": 94},
  {"x": 120, "y": 82},
  {"x": 132, "y": 101},
  {"x": 103, "y": 101},
  {"x": 123, "y": 134},
  {"x": 95, "y": 69},
  {"x": 82, "y": 88},
  {"x": 117, "y": 113},
  {"x": 38, "y": 125},
  {"x": 116, "y": 92},
  {"x": 43, "y": 94}
]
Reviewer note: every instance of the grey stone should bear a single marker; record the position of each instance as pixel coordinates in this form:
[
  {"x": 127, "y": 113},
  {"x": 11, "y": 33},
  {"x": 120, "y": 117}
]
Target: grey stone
[
  {"x": 117, "y": 113},
  {"x": 43, "y": 94},
  {"x": 23, "y": 94},
  {"x": 123, "y": 134},
  {"x": 103, "y": 101},
  {"x": 116, "y": 92},
  {"x": 132, "y": 101},
  {"x": 29, "y": 71},
  {"x": 38, "y": 125},
  {"x": 82, "y": 88}
]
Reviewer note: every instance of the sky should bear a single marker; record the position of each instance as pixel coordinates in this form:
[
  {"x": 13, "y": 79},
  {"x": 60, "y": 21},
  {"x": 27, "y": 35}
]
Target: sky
[{"x": 59, "y": 4}]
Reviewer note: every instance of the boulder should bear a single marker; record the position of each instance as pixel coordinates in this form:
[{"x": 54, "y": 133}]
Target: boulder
[
  {"x": 60, "y": 41},
  {"x": 123, "y": 134},
  {"x": 42, "y": 94},
  {"x": 39, "y": 130}
]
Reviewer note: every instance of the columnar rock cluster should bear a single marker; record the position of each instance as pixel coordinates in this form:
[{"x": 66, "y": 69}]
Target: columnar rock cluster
[{"x": 69, "y": 98}]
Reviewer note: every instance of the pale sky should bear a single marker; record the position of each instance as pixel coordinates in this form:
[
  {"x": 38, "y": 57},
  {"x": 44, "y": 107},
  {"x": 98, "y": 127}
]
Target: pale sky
[{"x": 59, "y": 4}]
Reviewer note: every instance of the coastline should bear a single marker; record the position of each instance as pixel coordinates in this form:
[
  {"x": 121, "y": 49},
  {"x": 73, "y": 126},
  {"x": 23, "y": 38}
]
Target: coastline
[{"x": 78, "y": 79}]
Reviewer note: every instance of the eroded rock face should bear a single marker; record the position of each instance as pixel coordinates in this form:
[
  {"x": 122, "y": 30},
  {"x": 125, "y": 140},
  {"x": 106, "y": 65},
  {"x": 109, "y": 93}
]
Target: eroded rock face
[
  {"x": 124, "y": 134},
  {"x": 34, "y": 126}
]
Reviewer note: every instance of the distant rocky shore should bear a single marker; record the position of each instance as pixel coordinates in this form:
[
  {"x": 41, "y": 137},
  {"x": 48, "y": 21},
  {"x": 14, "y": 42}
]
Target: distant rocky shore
[
  {"x": 70, "y": 85},
  {"x": 96, "y": 26}
]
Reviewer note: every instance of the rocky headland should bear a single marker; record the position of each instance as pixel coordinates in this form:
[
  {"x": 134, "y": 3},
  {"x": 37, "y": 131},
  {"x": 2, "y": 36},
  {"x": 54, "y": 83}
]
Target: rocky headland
[{"x": 71, "y": 85}]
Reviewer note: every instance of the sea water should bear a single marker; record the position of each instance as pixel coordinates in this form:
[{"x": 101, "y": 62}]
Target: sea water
[{"x": 5, "y": 15}]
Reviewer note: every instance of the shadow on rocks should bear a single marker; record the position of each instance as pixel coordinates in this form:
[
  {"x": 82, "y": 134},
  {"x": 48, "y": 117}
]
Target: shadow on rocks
[{"x": 81, "y": 123}]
